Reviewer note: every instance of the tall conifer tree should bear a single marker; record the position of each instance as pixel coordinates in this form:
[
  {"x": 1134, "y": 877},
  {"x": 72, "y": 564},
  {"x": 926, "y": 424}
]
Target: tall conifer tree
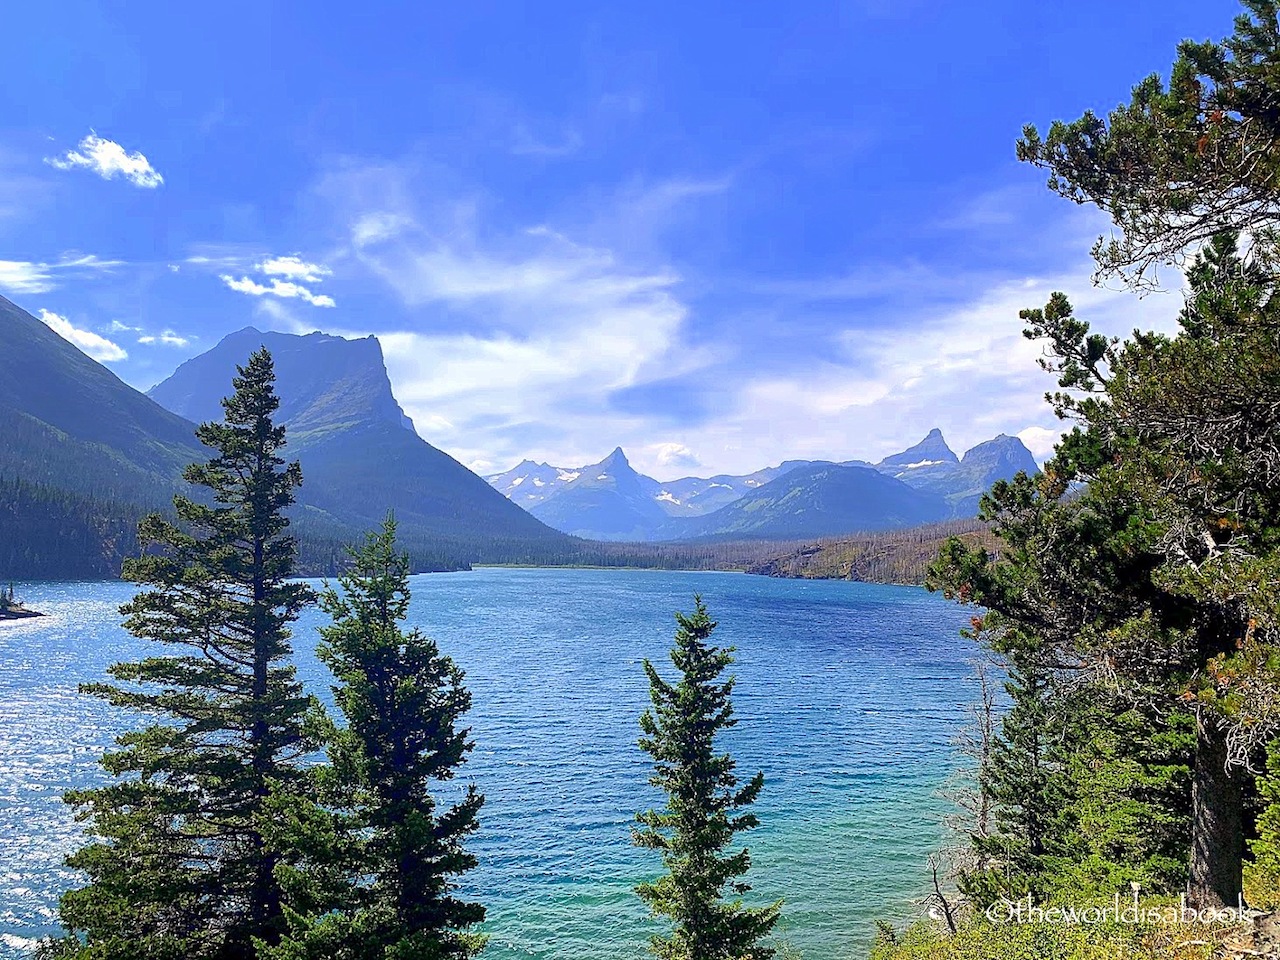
[
  {"x": 1024, "y": 782},
  {"x": 701, "y": 891},
  {"x": 379, "y": 881},
  {"x": 179, "y": 867}
]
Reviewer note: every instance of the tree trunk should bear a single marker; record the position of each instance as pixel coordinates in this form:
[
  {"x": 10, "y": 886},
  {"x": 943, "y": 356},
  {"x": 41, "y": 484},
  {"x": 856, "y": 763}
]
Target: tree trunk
[{"x": 1217, "y": 822}]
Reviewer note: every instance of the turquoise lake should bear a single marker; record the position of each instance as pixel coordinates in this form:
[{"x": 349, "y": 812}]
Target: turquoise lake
[{"x": 849, "y": 697}]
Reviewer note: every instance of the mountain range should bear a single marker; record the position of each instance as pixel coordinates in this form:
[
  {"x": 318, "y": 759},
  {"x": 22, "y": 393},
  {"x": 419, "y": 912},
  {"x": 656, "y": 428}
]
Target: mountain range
[
  {"x": 610, "y": 500},
  {"x": 84, "y": 455}
]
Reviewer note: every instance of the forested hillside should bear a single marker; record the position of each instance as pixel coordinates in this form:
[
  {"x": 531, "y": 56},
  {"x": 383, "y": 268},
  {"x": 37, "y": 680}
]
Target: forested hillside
[{"x": 893, "y": 556}]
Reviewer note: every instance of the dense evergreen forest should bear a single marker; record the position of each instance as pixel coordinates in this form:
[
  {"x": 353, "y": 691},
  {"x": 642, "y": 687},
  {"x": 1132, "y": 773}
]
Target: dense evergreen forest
[{"x": 47, "y": 533}]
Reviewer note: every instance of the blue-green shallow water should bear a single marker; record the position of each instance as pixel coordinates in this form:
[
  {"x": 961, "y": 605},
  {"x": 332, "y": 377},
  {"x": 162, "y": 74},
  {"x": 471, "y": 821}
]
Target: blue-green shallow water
[{"x": 848, "y": 697}]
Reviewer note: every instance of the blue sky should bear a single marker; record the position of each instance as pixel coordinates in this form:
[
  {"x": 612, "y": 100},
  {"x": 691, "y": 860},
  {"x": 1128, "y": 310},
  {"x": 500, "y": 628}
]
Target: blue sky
[{"x": 718, "y": 234}]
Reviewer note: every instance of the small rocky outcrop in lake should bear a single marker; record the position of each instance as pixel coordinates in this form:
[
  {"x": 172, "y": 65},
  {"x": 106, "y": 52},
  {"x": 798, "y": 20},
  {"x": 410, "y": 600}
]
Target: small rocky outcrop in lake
[{"x": 18, "y": 612}]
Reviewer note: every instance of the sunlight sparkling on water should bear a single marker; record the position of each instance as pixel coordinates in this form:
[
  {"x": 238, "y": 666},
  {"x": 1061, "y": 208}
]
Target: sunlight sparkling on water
[{"x": 849, "y": 696}]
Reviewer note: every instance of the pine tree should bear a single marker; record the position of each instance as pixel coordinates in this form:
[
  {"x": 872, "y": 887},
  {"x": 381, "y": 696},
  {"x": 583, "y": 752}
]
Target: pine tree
[
  {"x": 1148, "y": 552},
  {"x": 1186, "y": 427},
  {"x": 1024, "y": 781},
  {"x": 381, "y": 882},
  {"x": 1263, "y": 873},
  {"x": 704, "y": 808},
  {"x": 180, "y": 867}
]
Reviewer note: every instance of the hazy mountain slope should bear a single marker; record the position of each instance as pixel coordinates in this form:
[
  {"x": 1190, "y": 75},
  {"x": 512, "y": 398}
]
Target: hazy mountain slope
[
  {"x": 998, "y": 459},
  {"x": 602, "y": 505},
  {"x": 360, "y": 457},
  {"x": 928, "y": 465},
  {"x": 608, "y": 500},
  {"x": 529, "y": 483},
  {"x": 931, "y": 451},
  {"x": 931, "y": 466},
  {"x": 818, "y": 501},
  {"x": 696, "y": 496},
  {"x": 71, "y": 423}
]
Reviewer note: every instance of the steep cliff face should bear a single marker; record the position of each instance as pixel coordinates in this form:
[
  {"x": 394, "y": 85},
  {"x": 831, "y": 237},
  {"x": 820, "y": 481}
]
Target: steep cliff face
[
  {"x": 323, "y": 381},
  {"x": 360, "y": 456}
]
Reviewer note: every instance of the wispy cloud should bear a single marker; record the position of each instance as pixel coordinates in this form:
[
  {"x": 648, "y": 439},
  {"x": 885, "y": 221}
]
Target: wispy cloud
[
  {"x": 95, "y": 345},
  {"x": 518, "y": 336},
  {"x": 282, "y": 279},
  {"x": 168, "y": 338},
  {"x": 962, "y": 366},
  {"x": 562, "y": 338},
  {"x": 20, "y": 276},
  {"x": 24, "y": 276},
  {"x": 525, "y": 144},
  {"x": 109, "y": 160}
]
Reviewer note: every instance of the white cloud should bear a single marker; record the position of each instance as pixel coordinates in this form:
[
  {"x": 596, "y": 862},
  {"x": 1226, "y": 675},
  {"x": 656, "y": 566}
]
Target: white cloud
[
  {"x": 96, "y": 346},
  {"x": 278, "y": 288},
  {"x": 168, "y": 338},
  {"x": 286, "y": 277},
  {"x": 546, "y": 330},
  {"x": 119, "y": 326},
  {"x": 294, "y": 268},
  {"x": 108, "y": 160},
  {"x": 670, "y": 455},
  {"x": 965, "y": 368},
  {"x": 1040, "y": 441}
]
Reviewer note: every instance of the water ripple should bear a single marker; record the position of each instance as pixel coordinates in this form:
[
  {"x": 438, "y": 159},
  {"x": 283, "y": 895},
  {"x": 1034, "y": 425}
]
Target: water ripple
[{"x": 848, "y": 695}]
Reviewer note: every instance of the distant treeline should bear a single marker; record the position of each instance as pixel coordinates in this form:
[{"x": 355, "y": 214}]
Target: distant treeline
[{"x": 895, "y": 556}]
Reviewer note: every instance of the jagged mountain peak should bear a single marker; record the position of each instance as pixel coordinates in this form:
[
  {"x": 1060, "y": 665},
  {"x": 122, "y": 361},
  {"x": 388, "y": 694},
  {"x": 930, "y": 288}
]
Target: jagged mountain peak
[
  {"x": 611, "y": 500},
  {"x": 322, "y": 379},
  {"x": 1001, "y": 449},
  {"x": 931, "y": 451},
  {"x": 358, "y": 451}
]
